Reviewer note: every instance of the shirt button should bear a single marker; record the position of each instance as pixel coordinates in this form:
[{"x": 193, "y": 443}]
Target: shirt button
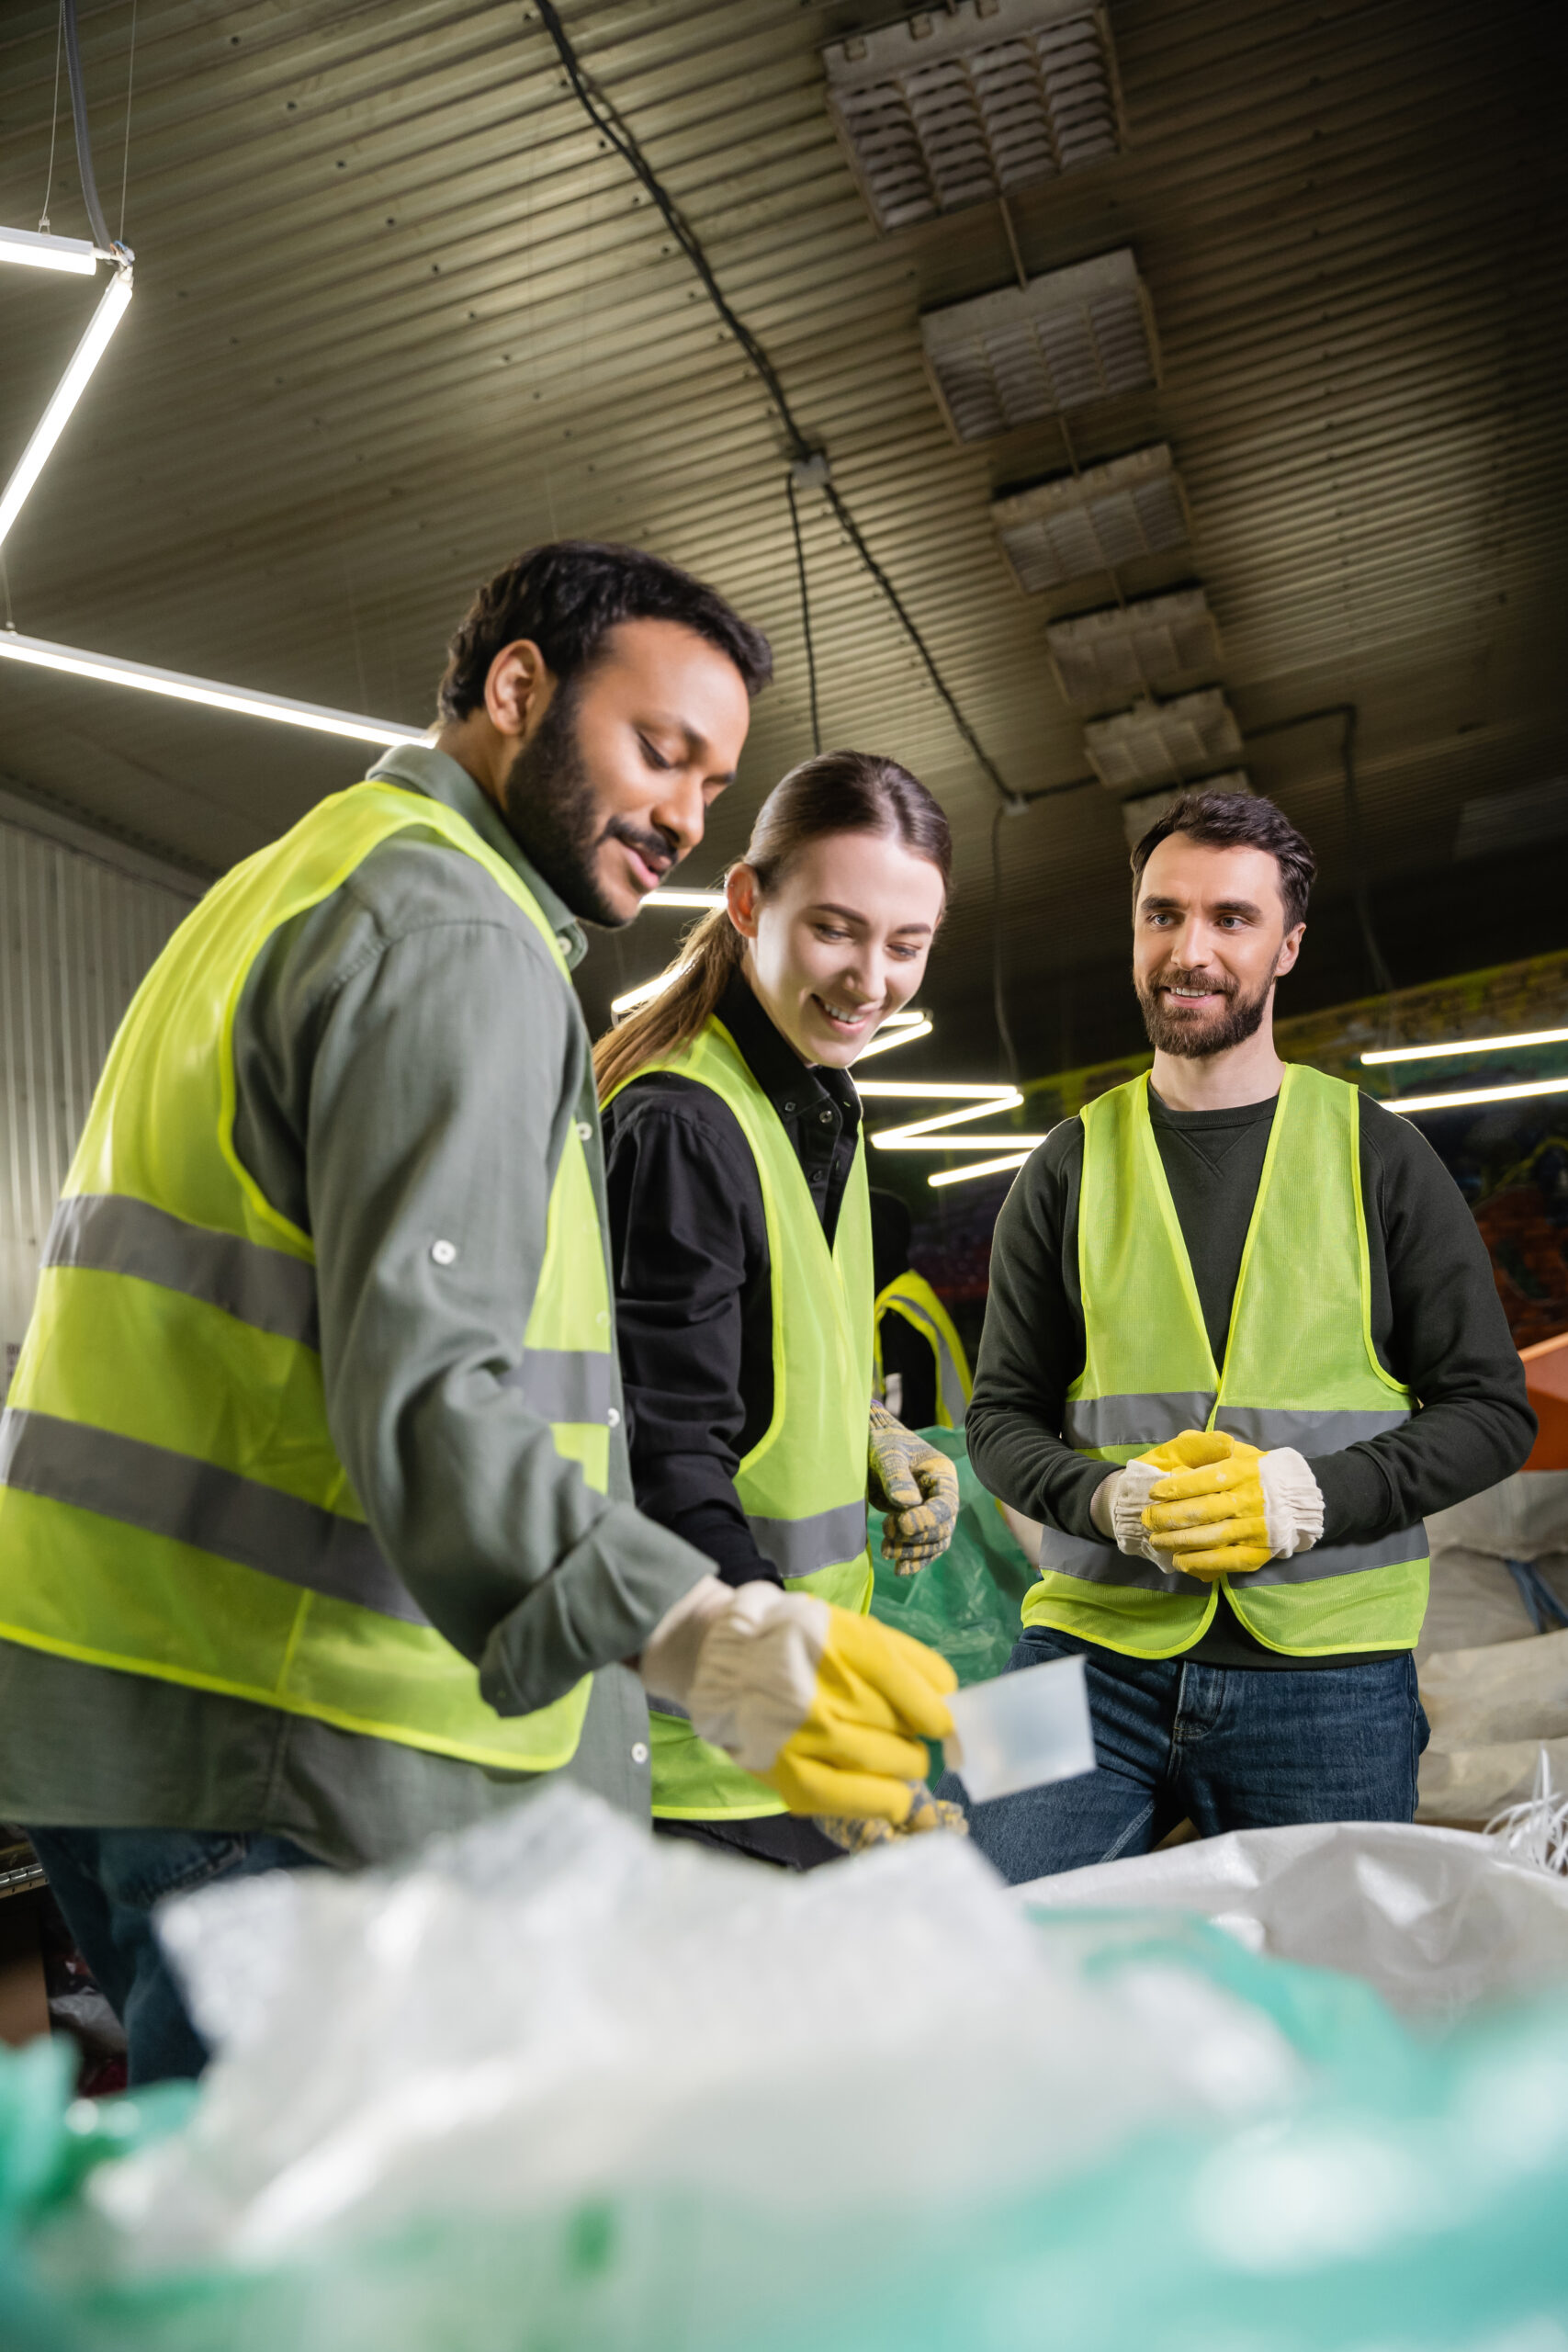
[
  {"x": 584, "y": 1129},
  {"x": 639, "y": 1751},
  {"x": 443, "y": 1252},
  {"x": 826, "y": 1117},
  {"x": 613, "y": 1417}
]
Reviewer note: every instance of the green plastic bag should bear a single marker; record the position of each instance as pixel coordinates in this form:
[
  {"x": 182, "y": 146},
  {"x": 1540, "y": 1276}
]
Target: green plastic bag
[{"x": 968, "y": 1603}]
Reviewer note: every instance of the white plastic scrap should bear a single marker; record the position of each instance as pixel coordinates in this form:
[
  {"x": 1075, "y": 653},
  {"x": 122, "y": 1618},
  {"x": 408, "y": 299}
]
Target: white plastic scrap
[
  {"x": 557, "y": 2004},
  {"x": 1536, "y": 1832}
]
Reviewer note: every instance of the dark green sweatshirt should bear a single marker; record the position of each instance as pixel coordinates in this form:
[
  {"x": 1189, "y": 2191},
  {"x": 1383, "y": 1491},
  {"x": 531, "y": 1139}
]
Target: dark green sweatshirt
[{"x": 1437, "y": 1326}]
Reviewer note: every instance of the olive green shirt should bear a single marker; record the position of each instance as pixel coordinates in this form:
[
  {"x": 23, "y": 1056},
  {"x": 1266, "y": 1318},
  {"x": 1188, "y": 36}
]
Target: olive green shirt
[{"x": 407, "y": 1065}]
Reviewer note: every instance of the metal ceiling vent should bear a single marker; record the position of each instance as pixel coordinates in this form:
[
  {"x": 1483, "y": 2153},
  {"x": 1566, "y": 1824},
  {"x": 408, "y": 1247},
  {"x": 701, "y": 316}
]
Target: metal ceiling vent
[
  {"x": 1162, "y": 743},
  {"x": 1101, "y": 659},
  {"x": 1008, "y": 359},
  {"x": 1146, "y": 809},
  {"x": 1095, "y": 521},
  {"x": 964, "y": 104}
]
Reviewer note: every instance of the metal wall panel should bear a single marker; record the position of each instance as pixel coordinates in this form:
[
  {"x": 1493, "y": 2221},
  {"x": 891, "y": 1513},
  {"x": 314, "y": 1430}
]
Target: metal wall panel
[{"x": 77, "y": 933}]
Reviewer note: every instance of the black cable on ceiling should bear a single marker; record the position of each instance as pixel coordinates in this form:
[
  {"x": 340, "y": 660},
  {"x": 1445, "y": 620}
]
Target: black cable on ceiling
[
  {"x": 1348, "y": 715},
  {"x": 805, "y": 609},
  {"x": 84, "y": 140},
  {"x": 603, "y": 115}
]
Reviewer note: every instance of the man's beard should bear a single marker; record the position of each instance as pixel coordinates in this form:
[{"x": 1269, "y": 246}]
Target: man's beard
[
  {"x": 551, "y": 814},
  {"x": 1174, "y": 1033}
]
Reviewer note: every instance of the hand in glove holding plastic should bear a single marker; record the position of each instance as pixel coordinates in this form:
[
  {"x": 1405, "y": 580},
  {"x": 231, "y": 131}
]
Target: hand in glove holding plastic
[
  {"x": 829, "y": 1709},
  {"x": 1224, "y": 1507},
  {"x": 918, "y": 1488}
]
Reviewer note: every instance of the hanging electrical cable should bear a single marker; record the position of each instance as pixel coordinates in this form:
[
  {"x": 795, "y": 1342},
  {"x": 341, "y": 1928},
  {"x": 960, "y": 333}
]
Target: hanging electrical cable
[
  {"x": 1349, "y": 716},
  {"x": 804, "y": 607},
  {"x": 602, "y": 113},
  {"x": 84, "y": 137}
]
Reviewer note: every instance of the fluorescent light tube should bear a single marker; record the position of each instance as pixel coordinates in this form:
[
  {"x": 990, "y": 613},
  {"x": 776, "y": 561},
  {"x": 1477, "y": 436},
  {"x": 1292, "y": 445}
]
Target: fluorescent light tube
[
  {"x": 1105, "y": 657},
  {"x": 961, "y": 105},
  {"x": 35, "y": 250},
  {"x": 984, "y": 1168},
  {"x": 1466, "y": 1046},
  {"x": 646, "y": 992},
  {"x": 706, "y": 898},
  {"x": 1155, "y": 741},
  {"x": 110, "y": 671},
  {"x": 1084, "y": 524},
  {"x": 1006, "y": 359},
  {"x": 111, "y": 309},
  {"x": 887, "y": 1036},
  {"x": 1406, "y": 1103}
]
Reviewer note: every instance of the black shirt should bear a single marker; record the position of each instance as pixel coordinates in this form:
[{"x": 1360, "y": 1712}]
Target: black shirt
[
  {"x": 689, "y": 1252},
  {"x": 1437, "y": 1325}
]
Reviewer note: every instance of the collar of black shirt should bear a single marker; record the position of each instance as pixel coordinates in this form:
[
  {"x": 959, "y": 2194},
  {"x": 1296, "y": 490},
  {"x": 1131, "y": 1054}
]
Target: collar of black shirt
[{"x": 793, "y": 1087}]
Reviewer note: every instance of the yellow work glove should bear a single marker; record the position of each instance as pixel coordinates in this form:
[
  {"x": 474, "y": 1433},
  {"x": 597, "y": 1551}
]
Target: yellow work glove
[
  {"x": 917, "y": 1487},
  {"x": 832, "y": 1709},
  {"x": 925, "y": 1812},
  {"x": 1207, "y": 1514}
]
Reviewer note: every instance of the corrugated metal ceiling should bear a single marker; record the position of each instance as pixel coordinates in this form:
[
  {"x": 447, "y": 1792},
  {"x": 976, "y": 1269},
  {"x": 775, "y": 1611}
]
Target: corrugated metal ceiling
[{"x": 398, "y": 314}]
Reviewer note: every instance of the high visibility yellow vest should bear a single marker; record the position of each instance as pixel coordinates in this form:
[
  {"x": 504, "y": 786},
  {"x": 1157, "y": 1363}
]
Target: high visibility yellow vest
[
  {"x": 910, "y": 1295},
  {"x": 1299, "y": 1370},
  {"x": 172, "y": 1501},
  {"x": 803, "y": 1485}
]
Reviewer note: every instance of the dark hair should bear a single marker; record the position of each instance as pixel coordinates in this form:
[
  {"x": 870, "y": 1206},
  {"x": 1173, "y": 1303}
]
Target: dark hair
[
  {"x": 1236, "y": 820},
  {"x": 566, "y": 596},
  {"x": 837, "y": 792}
]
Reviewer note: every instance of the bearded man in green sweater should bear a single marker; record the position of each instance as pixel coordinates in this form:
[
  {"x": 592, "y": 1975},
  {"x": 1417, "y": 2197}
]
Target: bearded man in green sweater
[{"x": 1242, "y": 1335}]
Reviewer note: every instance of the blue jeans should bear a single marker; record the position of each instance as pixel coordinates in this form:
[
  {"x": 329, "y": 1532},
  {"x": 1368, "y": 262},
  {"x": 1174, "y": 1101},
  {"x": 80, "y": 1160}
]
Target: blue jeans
[
  {"x": 107, "y": 1882},
  {"x": 1226, "y": 1747}
]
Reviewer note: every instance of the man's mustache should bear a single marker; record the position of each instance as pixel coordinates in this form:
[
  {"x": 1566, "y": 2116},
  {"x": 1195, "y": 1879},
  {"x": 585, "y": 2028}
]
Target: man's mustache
[
  {"x": 658, "y": 850},
  {"x": 1200, "y": 983}
]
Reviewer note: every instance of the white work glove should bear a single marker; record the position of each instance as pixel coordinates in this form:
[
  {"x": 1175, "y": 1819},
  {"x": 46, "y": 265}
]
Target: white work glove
[
  {"x": 832, "y": 1710},
  {"x": 1292, "y": 1502},
  {"x": 1117, "y": 1509}
]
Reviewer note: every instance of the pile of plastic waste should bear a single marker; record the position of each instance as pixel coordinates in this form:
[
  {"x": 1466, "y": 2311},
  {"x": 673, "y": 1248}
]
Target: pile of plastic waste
[{"x": 559, "y": 2087}]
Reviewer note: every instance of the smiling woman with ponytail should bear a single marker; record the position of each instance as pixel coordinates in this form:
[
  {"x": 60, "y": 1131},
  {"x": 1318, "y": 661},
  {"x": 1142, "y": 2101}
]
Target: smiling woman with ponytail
[{"x": 741, "y": 1231}]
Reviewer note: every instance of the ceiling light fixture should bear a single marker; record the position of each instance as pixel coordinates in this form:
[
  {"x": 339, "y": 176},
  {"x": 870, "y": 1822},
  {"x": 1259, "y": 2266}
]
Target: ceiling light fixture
[
  {"x": 110, "y": 671},
  {"x": 112, "y": 308},
  {"x": 895, "y": 1030},
  {"x": 961, "y": 106},
  {"x": 936, "y": 1132},
  {"x": 646, "y": 992},
  {"x": 705, "y": 899},
  {"x": 986, "y": 1167},
  {"x": 1404, "y": 1105},
  {"x": 1084, "y": 524},
  {"x": 1465, "y": 1046},
  {"x": 1101, "y": 658},
  {"x": 1156, "y": 743},
  {"x": 1008, "y": 359},
  {"x": 37, "y": 250}
]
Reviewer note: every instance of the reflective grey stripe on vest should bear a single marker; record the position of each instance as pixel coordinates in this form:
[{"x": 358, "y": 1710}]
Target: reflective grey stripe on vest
[
  {"x": 798, "y": 1547},
  {"x": 1072, "y": 1555},
  {"x": 1089, "y": 1423},
  {"x": 950, "y": 1387},
  {"x": 109, "y": 1233},
  {"x": 564, "y": 1384},
  {"x": 216, "y": 1510}
]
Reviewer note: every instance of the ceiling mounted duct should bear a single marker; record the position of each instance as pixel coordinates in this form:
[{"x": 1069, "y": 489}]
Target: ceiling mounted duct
[
  {"x": 1159, "y": 742},
  {"x": 1101, "y": 658},
  {"x": 1095, "y": 521},
  {"x": 1008, "y": 359},
  {"x": 966, "y": 103},
  {"x": 1148, "y": 807}
]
